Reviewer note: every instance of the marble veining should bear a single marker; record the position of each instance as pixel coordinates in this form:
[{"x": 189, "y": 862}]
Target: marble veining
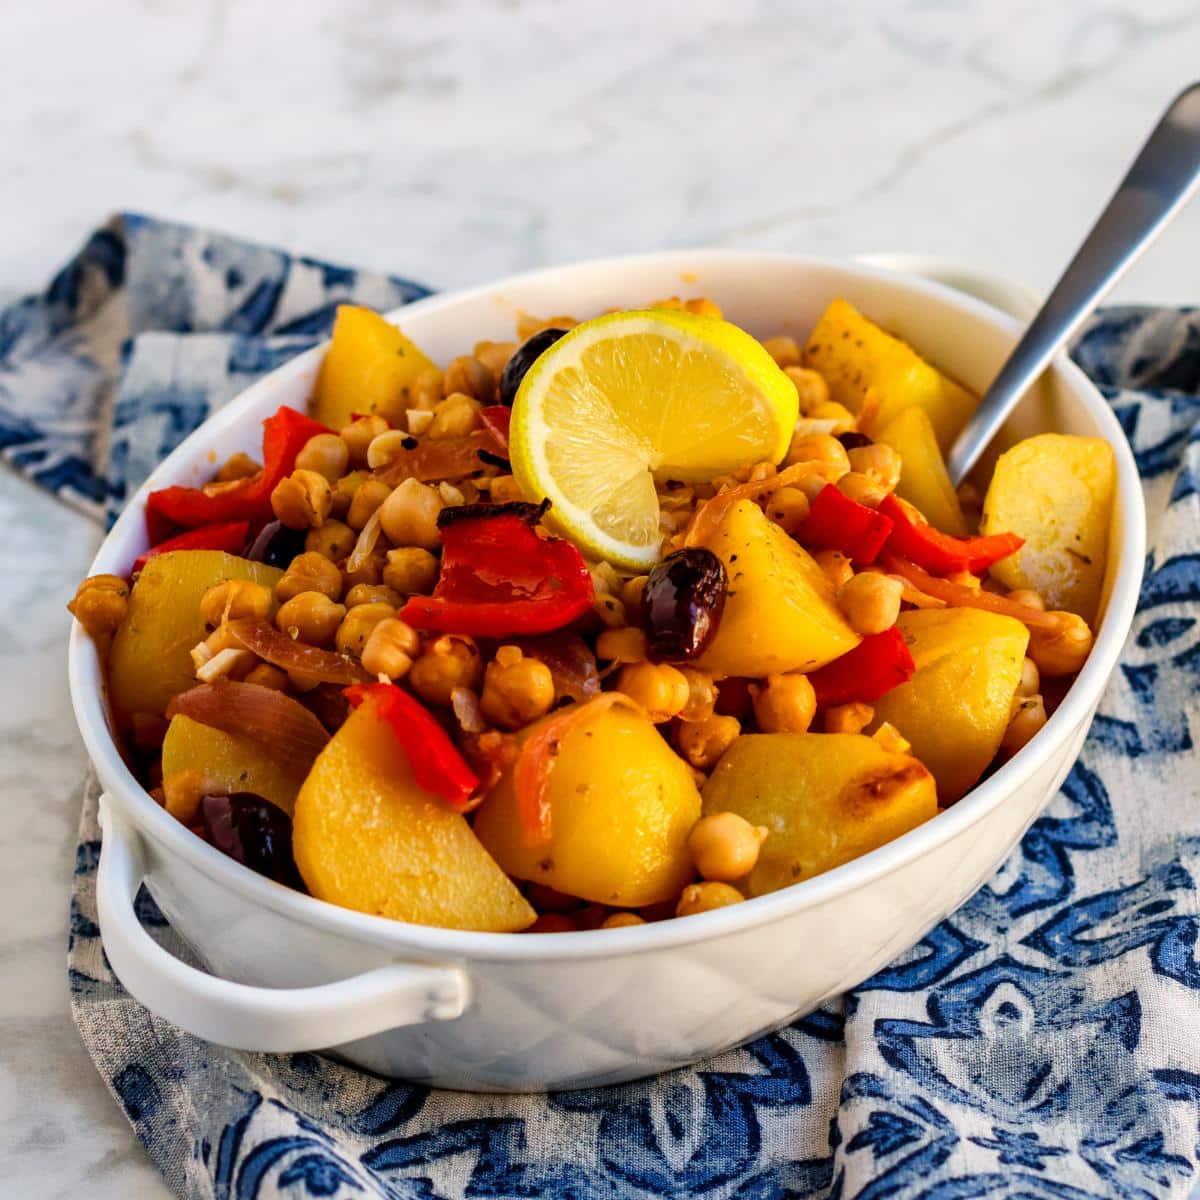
[{"x": 459, "y": 141}]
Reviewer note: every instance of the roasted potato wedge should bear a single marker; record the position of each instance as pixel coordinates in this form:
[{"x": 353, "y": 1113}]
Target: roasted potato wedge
[{"x": 924, "y": 480}]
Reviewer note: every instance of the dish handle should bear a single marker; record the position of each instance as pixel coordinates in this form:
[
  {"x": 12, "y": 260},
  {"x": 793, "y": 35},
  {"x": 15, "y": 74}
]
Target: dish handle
[{"x": 274, "y": 1020}]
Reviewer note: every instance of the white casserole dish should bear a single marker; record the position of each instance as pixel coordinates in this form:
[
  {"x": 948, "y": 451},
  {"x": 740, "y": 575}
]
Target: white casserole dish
[{"x": 510, "y": 1013}]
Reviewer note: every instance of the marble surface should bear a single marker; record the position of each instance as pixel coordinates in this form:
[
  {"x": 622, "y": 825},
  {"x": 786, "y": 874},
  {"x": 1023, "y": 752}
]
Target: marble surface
[{"x": 459, "y": 141}]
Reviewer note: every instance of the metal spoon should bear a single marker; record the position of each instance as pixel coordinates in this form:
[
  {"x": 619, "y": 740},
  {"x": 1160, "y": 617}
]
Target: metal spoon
[{"x": 1163, "y": 176}]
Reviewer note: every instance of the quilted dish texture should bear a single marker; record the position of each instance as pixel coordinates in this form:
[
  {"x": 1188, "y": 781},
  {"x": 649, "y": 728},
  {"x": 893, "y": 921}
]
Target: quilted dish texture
[{"x": 1041, "y": 1042}]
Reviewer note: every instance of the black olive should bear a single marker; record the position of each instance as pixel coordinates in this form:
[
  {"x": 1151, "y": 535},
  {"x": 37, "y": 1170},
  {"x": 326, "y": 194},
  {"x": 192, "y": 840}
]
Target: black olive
[
  {"x": 277, "y": 545},
  {"x": 523, "y": 358},
  {"x": 253, "y": 831},
  {"x": 682, "y": 603},
  {"x": 854, "y": 441}
]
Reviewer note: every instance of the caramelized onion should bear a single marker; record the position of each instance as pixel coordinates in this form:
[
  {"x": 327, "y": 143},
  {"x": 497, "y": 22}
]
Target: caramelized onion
[
  {"x": 287, "y": 654},
  {"x": 957, "y": 596},
  {"x": 572, "y": 664},
  {"x": 284, "y": 728},
  {"x": 449, "y": 458},
  {"x": 712, "y": 512}
]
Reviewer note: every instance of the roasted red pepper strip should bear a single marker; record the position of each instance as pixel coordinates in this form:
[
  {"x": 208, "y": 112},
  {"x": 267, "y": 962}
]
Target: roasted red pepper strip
[
  {"x": 942, "y": 553},
  {"x": 876, "y": 665},
  {"x": 838, "y": 523},
  {"x": 436, "y": 764},
  {"x": 495, "y": 419},
  {"x": 284, "y": 436},
  {"x": 499, "y": 578},
  {"x": 229, "y": 536}
]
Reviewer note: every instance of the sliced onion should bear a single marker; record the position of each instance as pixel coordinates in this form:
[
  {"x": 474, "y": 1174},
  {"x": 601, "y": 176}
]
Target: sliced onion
[
  {"x": 572, "y": 664},
  {"x": 284, "y": 728},
  {"x": 957, "y": 596},
  {"x": 445, "y": 459},
  {"x": 367, "y": 539},
  {"x": 323, "y": 666},
  {"x": 467, "y": 713},
  {"x": 712, "y": 512},
  {"x": 539, "y": 753}
]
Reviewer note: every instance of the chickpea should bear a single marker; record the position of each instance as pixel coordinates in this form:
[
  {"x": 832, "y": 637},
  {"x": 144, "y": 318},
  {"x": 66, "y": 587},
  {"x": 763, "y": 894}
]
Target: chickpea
[
  {"x": 702, "y": 695},
  {"x": 819, "y": 448},
  {"x": 233, "y": 599},
  {"x": 1029, "y": 715},
  {"x": 724, "y": 846},
  {"x": 871, "y": 602},
  {"x": 373, "y": 593},
  {"x": 447, "y": 663},
  {"x": 390, "y": 648},
  {"x": 237, "y": 466},
  {"x": 848, "y": 718},
  {"x": 704, "y": 897},
  {"x": 357, "y": 625},
  {"x": 811, "y": 386},
  {"x": 359, "y": 435},
  {"x": 622, "y": 920},
  {"x": 326, "y": 454},
  {"x": 836, "y": 566},
  {"x": 844, "y": 421},
  {"x": 470, "y": 376},
  {"x": 891, "y": 739},
  {"x": 387, "y": 447},
  {"x": 454, "y": 417},
  {"x": 411, "y": 571},
  {"x": 425, "y": 392},
  {"x": 1028, "y": 598},
  {"x": 409, "y": 515},
  {"x": 505, "y": 489},
  {"x": 265, "y": 675},
  {"x": 626, "y": 645},
  {"x": 334, "y": 540},
  {"x": 495, "y": 355},
  {"x": 632, "y": 591},
  {"x": 99, "y": 605},
  {"x": 1062, "y": 649},
  {"x": 660, "y": 689},
  {"x": 788, "y": 507},
  {"x": 343, "y": 491},
  {"x": 302, "y": 500},
  {"x": 880, "y": 462},
  {"x": 783, "y": 350},
  {"x": 309, "y": 572},
  {"x": 553, "y": 923},
  {"x": 516, "y": 690},
  {"x": 703, "y": 742},
  {"x": 610, "y": 610},
  {"x": 863, "y": 489},
  {"x": 310, "y": 617},
  {"x": 784, "y": 704},
  {"x": 702, "y": 306},
  {"x": 367, "y": 498}
]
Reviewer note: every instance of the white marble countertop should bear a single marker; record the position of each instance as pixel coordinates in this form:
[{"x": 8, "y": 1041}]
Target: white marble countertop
[{"x": 461, "y": 141}]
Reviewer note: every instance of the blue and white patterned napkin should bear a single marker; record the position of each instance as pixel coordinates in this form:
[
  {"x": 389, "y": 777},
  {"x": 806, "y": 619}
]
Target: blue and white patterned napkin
[{"x": 1042, "y": 1042}]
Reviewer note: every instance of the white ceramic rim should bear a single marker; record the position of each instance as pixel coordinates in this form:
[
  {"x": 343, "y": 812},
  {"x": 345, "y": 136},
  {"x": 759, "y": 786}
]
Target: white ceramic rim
[{"x": 430, "y": 942}]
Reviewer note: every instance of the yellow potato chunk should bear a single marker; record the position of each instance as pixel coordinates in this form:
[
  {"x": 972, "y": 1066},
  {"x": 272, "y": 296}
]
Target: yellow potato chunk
[
  {"x": 369, "y": 368},
  {"x": 227, "y": 763},
  {"x": 622, "y": 804},
  {"x": 924, "y": 480},
  {"x": 825, "y": 798},
  {"x": 368, "y": 838},
  {"x": 856, "y": 357},
  {"x": 780, "y": 614},
  {"x": 955, "y": 709},
  {"x": 151, "y": 654},
  {"x": 1056, "y": 491}
]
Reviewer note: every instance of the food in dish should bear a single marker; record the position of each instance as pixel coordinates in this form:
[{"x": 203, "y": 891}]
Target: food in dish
[{"x": 634, "y": 618}]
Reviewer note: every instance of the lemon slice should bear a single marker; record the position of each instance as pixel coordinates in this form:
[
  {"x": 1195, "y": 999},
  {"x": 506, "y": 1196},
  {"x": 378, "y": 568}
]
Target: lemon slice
[{"x": 634, "y": 397}]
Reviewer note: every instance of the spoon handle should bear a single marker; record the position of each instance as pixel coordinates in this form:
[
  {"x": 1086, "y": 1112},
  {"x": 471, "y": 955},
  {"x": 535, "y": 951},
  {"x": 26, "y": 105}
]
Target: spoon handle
[{"x": 1158, "y": 183}]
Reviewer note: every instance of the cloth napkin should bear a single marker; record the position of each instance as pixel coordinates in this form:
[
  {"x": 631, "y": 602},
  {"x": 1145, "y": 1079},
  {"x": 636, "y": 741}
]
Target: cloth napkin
[{"x": 1041, "y": 1042}]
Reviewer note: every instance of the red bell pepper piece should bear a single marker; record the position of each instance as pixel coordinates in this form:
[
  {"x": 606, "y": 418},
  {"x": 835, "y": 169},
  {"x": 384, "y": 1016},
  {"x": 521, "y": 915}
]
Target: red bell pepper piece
[
  {"x": 942, "y": 553},
  {"x": 838, "y": 523},
  {"x": 284, "y": 435},
  {"x": 496, "y": 419},
  {"x": 877, "y": 664},
  {"x": 229, "y": 536},
  {"x": 499, "y": 578},
  {"x": 436, "y": 764}
]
